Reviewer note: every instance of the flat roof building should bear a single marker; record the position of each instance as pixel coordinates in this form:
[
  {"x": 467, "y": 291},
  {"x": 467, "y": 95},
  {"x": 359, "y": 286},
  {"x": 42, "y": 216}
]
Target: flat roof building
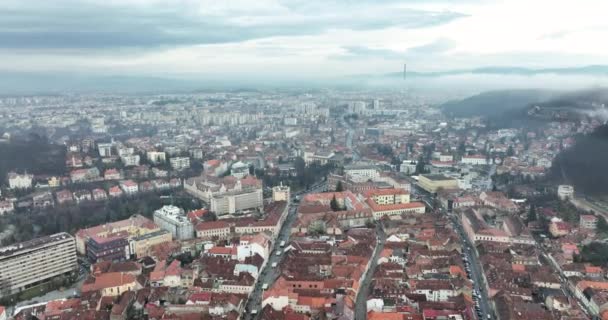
[
  {"x": 28, "y": 264},
  {"x": 433, "y": 182},
  {"x": 174, "y": 220}
]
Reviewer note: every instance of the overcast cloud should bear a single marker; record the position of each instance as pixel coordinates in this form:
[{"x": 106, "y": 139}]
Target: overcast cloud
[{"x": 316, "y": 38}]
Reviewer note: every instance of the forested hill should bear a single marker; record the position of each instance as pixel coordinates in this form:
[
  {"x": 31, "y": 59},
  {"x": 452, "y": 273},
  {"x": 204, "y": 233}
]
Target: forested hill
[
  {"x": 31, "y": 153},
  {"x": 585, "y": 165},
  {"x": 496, "y": 103}
]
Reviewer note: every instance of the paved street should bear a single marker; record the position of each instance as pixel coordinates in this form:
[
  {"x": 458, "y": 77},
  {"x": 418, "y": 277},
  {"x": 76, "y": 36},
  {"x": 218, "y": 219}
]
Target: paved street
[
  {"x": 269, "y": 274},
  {"x": 361, "y": 303},
  {"x": 476, "y": 272}
]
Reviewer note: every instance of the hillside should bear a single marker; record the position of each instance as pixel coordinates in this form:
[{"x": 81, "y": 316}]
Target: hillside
[
  {"x": 496, "y": 103},
  {"x": 33, "y": 154},
  {"x": 585, "y": 165}
]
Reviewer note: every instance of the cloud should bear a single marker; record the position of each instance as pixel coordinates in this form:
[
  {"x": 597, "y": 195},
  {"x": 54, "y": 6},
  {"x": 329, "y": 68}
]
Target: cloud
[
  {"x": 70, "y": 24},
  {"x": 438, "y": 46}
]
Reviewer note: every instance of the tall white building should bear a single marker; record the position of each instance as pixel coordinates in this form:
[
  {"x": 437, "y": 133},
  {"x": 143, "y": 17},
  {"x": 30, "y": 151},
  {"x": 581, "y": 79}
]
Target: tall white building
[
  {"x": 174, "y": 220},
  {"x": 27, "y": 264},
  {"x": 235, "y": 201}
]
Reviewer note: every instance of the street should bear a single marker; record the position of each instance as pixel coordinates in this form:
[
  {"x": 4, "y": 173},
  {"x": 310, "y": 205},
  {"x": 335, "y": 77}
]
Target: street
[
  {"x": 269, "y": 274},
  {"x": 475, "y": 273},
  {"x": 364, "y": 288}
]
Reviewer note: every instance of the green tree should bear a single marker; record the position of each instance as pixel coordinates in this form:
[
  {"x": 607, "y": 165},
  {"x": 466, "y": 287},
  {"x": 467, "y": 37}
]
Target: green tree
[
  {"x": 510, "y": 151},
  {"x": 334, "y": 204},
  {"x": 602, "y": 225},
  {"x": 339, "y": 187},
  {"x": 532, "y": 213}
]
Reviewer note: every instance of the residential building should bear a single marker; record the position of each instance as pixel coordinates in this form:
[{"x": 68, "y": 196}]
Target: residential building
[
  {"x": 130, "y": 187},
  {"x": 475, "y": 160},
  {"x": 180, "y": 163},
  {"x": 156, "y": 157},
  {"x": 130, "y": 160},
  {"x": 104, "y": 149},
  {"x": 20, "y": 181},
  {"x": 588, "y": 221},
  {"x": 28, "y": 264},
  {"x": 565, "y": 192}
]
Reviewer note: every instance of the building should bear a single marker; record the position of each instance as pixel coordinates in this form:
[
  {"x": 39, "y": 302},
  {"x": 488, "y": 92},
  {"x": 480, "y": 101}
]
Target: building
[
  {"x": 361, "y": 172},
  {"x": 565, "y": 192},
  {"x": 588, "y": 221},
  {"x": 136, "y": 225},
  {"x": 20, "y": 181},
  {"x": 239, "y": 170},
  {"x": 180, "y": 163},
  {"x": 130, "y": 187},
  {"x": 105, "y": 149},
  {"x": 227, "y": 195},
  {"x": 156, "y": 157},
  {"x": 28, "y": 264},
  {"x": 391, "y": 202},
  {"x": 174, "y": 220},
  {"x": 281, "y": 193},
  {"x": 475, "y": 160},
  {"x": 433, "y": 182},
  {"x": 140, "y": 246},
  {"x": 113, "y": 247},
  {"x": 130, "y": 160},
  {"x": 237, "y": 201}
]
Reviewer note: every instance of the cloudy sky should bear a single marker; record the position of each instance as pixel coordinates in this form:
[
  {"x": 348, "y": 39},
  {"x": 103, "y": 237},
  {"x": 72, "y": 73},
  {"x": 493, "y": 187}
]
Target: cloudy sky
[{"x": 279, "y": 38}]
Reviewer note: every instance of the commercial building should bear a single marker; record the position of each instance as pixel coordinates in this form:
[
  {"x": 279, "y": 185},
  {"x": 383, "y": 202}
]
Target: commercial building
[
  {"x": 109, "y": 248},
  {"x": 433, "y": 182},
  {"x": 140, "y": 246},
  {"x": 174, "y": 220},
  {"x": 28, "y": 264},
  {"x": 135, "y": 226}
]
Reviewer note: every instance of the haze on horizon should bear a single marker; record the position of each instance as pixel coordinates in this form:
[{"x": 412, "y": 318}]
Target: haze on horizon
[{"x": 272, "y": 41}]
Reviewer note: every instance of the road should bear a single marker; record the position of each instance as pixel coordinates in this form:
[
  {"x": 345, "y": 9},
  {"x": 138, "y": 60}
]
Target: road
[
  {"x": 476, "y": 271},
  {"x": 564, "y": 281},
  {"x": 269, "y": 274},
  {"x": 364, "y": 288}
]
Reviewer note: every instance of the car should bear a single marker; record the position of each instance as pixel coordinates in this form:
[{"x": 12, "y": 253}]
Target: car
[
  {"x": 274, "y": 264},
  {"x": 278, "y": 253}
]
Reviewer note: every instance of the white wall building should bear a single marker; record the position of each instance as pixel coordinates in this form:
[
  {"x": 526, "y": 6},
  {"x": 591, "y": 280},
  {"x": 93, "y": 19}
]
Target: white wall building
[
  {"x": 156, "y": 156},
  {"x": 20, "y": 181},
  {"x": 180, "y": 163},
  {"x": 565, "y": 192},
  {"x": 281, "y": 193},
  {"x": 25, "y": 264},
  {"x": 174, "y": 220},
  {"x": 130, "y": 160}
]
